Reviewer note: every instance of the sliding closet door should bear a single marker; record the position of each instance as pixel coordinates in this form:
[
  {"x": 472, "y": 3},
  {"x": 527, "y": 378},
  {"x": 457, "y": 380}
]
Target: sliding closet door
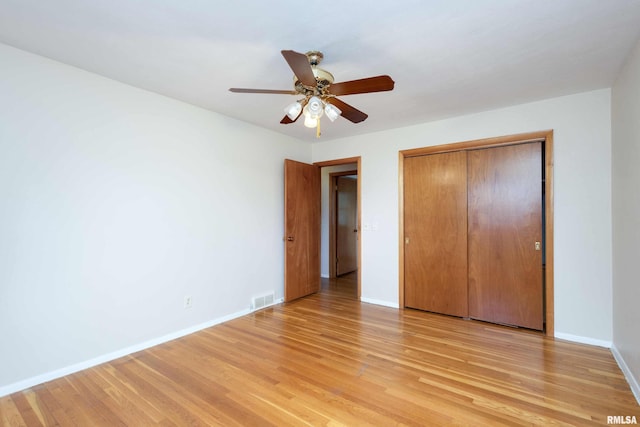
[
  {"x": 435, "y": 224},
  {"x": 505, "y": 235}
]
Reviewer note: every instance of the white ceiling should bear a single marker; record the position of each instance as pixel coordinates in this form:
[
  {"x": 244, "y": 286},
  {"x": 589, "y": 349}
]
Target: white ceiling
[{"x": 447, "y": 57}]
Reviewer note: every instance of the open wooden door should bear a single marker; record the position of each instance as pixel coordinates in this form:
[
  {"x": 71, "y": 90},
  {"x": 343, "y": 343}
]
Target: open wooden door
[{"x": 302, "y": 229}]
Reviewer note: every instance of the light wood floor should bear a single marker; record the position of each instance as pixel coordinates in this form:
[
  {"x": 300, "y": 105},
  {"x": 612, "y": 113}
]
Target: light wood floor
[{"x": 330, "y": 360}]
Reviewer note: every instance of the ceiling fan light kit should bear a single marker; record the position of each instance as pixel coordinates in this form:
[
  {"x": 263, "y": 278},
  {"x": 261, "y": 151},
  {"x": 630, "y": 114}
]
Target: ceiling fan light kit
[{"x": 319, "y": 91}]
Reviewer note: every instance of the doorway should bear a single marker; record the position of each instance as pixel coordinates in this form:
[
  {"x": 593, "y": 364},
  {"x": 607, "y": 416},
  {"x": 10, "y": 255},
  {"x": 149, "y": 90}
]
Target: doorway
[
  {"x": 340, "y": 249},
  {"x": 304, "y": 222}
]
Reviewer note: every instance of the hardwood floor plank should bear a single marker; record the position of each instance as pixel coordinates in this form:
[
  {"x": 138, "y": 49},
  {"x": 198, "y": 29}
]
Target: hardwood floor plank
[
  {"x": 71, "y": 409},
  {"x": 328, "y": 360},
  {"x": 48, "y": 405},
  {"x": 117, "y": 399},
  {"x": 30, "y": 412},
  {"x": 167, "y": 395},
  {"x": 10, "y": 415}
]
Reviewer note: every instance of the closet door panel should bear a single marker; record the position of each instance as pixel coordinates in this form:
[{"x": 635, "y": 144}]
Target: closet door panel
[
  {"x": 435, "y": 224},
  {"x": 504, "y": 226}
]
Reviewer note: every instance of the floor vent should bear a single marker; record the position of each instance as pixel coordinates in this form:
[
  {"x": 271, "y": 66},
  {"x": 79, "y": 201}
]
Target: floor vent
[{"x": 262, "y": 301}]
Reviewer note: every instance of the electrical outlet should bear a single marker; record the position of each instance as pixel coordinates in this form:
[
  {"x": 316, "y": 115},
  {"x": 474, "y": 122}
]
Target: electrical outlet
[{"x": 188, "y": 301}]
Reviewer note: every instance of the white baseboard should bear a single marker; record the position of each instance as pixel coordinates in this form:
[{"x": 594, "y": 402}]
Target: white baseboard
[
  {"x": 380, "y": 302},
  {"x": 324, "y": 276},
  {"x": 582, "y": 340},
  {"x": 633, "y": 382},
  {"x": 58, "y": 373}
]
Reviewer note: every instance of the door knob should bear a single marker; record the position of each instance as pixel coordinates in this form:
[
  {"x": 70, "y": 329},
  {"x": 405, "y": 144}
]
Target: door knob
[{"x": 290, "y": 238}]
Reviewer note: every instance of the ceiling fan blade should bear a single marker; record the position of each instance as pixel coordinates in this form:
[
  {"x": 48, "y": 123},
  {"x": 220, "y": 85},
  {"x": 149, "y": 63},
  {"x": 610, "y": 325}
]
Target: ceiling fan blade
[
  {"x": 348, "y": 112},
  {"x": 243, "y": 90},
  {"x": 286, "y": 120},
  {"x": 370, "y": 84},
  {"x": 300, "y": 66}
]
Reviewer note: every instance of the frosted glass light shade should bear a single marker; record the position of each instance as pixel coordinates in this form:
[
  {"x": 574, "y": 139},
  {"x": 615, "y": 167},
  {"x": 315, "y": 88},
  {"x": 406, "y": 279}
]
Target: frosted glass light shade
[
  {"x": 315, "y": 107},
  {"x": 293, "y": 110},
  {"x": 332, "y": 112},
  {"x": 309, "y": 121}
]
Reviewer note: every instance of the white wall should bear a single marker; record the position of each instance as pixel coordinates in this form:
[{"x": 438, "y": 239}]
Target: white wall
[
  {"x": 582, "y": 136},
  {"x": 115, "y": 203},
  {"x": 626, "y": 218}
]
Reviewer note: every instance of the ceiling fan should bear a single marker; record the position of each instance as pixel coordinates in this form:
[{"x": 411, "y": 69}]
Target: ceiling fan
[{"x": 319, "y": 92}]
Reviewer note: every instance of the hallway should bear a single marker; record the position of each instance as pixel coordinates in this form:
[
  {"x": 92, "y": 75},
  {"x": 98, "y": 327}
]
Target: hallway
[{"x": 345, "y": 286}]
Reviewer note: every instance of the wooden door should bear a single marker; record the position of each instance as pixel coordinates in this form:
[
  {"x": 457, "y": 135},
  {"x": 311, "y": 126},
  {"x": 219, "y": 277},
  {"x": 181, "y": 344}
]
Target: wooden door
[
  {"x": 302, "y": 229},
  {"x": 435, "y": 224},
  {"x": 346, "y": 225},
  {"x": 505, "y": 235}
]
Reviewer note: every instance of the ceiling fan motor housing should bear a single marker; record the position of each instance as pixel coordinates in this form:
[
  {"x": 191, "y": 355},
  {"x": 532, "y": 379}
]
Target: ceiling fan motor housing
[{"x": 323, "y": 78}]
